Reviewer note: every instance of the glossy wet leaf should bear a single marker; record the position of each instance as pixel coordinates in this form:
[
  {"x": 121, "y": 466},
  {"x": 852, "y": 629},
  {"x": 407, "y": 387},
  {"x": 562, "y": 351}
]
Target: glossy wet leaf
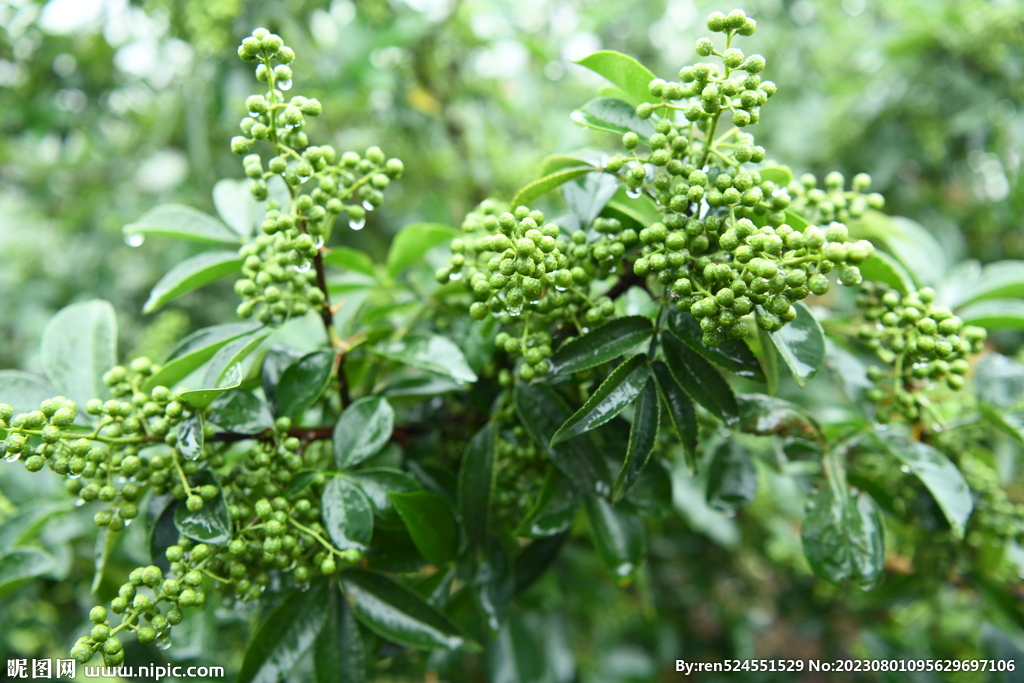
[
  {"x": 236, "y": 206},
  {"x": 613, "y": 395},
  {"x": 347, "y": 515},
  {"x": 430, "y": 523},
  {"x": 212, "y": 523},
  {"x": 624, "y": 71},
  {"x": 619, "y": 537},
  {"x": 994, "y": 314},
  {"x": 554, "y": 510},
  {"x": 433, "y": 353},
  {"x": 848, "y": 371},
  {"x": 604, "y": 344},
  {"x": 801, "y": 344},
  {"x": 24, "y": 391},
  {"x": 106, "y": 540},
  {"x": 79, "y": 345},
  {"x": 184, "y": 223},
  {"x": 375, "y": 484},
  {"x": 938, "y": 473},
  {"x": 201, "y": 398},
  {"x": 586, "y": 197},
  {"x": 476, "y": 483},
  {"x": 842, "y": 532},
  {"x": 23, "y": 563},
  {"x": 767, "y": 415},
  {"x": 351, "y": 259},
  {"x": 679, "y": 409},
  {"x": 699, "y": 379},
  {"x": 196, "y": 349},
  {"x": 493, "y": 584},
  {"x": 643, "y": 434},
  {"x": 518, "y": 655},
  {"x": 415, "y": 240},
  {"x": 542, "y": 412},
  {"x": 397, "y": 614},
  {"x": 190, "y": 436},
  {"x": 275, "y": 362},
  {"x": 363, "y": 429},
  {"x": 163, "y": 532},
  {"x": 732, "y": 354},
  {"x": 303, "y": 382},
  {"x": 782, "y": 176},
  {"x": 339, "y": 655},
  {"x": 732, "y": 477},
  {"x": 651, "y": 493},
  {"x": 542, "y": 186},
  {"x": 286, "y": 636},
  {"x": 240, "y": 412},
  {"x": 192, "y": 273},
  {"x": 770, "y": 358},
  {"x": 612, "y": 116},
  {"x": 880, "y": 267}
]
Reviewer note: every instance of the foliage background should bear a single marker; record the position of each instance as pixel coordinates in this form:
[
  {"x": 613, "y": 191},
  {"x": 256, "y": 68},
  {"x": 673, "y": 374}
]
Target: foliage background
[{"x": 108, "y": 108}]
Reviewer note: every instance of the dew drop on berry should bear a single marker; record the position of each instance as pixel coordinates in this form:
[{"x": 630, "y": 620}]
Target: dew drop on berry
[
  {"x": 285, "y": 84},
  {"x": 302, "y": 267},
  {"x": 367, "y": 205},
  {"x": 634, "y": 193},
  {"x": 515, "y": 311},
  {"x": 134, "y": 239},
  {"x": 455, "y": 276},
  {"x": 319, "y": 243},
  {"x": 559, "y": 289},
  {"x": 357, "y": 224},
  {"x": 163, "y": 642},
  {"x": 12, "y": 457},
  {"x": 80, "y": 502}
]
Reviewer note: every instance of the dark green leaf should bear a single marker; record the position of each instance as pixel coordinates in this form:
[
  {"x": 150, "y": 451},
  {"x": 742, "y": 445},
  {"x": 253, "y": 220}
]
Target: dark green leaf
[
  {"x": 192, "y": 273},
  {"x": 23, "y": 391},
  {"x": 842, "y": 531},
  {"x": 362, "y": 430},
  {"x": 554, "y": 510},
  {"x": 212, "y": 523},
  {"x": 351, "y": 259},
  {"x": 196, "y": 349},
  {"x": 699, "y": 379},
  {"x": 618, "y": 535},
  {"x": 542, "y": 412},
  {"x": 338, "y": 653},
  {"x": 880, "y": 267},
  {"x": 611, "y": 398},
  {"x": 680, "y": 411},
  {"x": 79, "y": 346},
  {"x": 780, "y": 175},
  {"x": 430, "y": 523},
  {"x": 994, "y": 314},
  {"x": 240, "y": 412},
  {"x": 376, "y": 483},
  {"x": 938, "y": 474},
  {"x": 801, "y": 344},
  {"x": 732, "y": 479},
  {"x": 415, "y": 240},
  {"x": 277, "y": 360},
  {"x": 848, "y": 371},
  {"x": 190, "y": 436},
  {"x": 606, "y": 343},
  {"x": 286, "y": 636},
  {"x": 392, "y": 550},
  {"x": 766, "y": 415},
  {"x": 536, "y": 558},
  {"x": 651, "y": 493},
  {"x": 183, "y": 223},
  {"x": 643, "y": 434},
  {"x": 397, "y": 614},
  {"x": 732, "y": 354},
  {"x": 476, "y": 482},
  {"x": 542, "y": 186},
  {"x": 303, "y": 382},
  {"x": 622, "y": 70},
  {"x": 347, "y": 515},
  {"x": 493, "y": 584},
  {"x": 24, "y": 563},
  {"x": 164, "y": 532},
  {"x": 518, "y": 655},
  {"x": 433, "y": 353},
  {"x": 613, "y": 116}
]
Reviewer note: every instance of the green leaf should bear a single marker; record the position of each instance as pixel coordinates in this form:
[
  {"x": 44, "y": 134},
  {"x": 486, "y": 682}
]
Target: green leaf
[
  {"x": 362, "y": 430},
  {"x": 476, "y": 482},
  {"x": 163, "y": 532},
  {"x": 880, "y": 267},
  {"x": 766, "y": 415},
  {"x": 24, "y": 563},
  {"x": 106, "y": 540},
  {"x": 196, "y": 349},
  {"x": 699, "y": 379},
  {"x": 732, "y": 354},
  {"x": 586, "y": 197},
  {"x": 680, "y": 411},
  {"x": 518, "y": 655},
  {"x": 183, "y": 223},
  {"x": 236, "y": 206},
  {"x": 938, "y": 474},
  {"x": 612, "y": 116},
  {"x": 275, "y": 362},
  {"x": 732, "y": 478},
  {"x": 375, "y": 484},
  {"x": 643, "y": 435},
  {"x": 622, "y": 70},
  {"x": 413, "y": 241},
  {"x": 25, "y": 524},
  {"x": 338, "y": 653},
  {"x": 801, "y": 344},
  {"x": 190, "y": 436},
  {"x": 999, "y": 383},
  {"x": 79, "y": 346},
  {"x": 351, "y": 259},
  {"x": 535, "y": 559},
  {"x": 493, "y": 584},
  {"x": 201, "y": 398},
  {"x": 192, "y": 273},
  {"x": 211, "y": 524},
  {"x": 430, "y": 523},
  {"x": 780, "y": 175},
  {"x": 842, "y": 532},
  {"x": 618, "y": 536},
  {"x": 302, "y": 480},
  {"x": 303, "y": 382},
  {"x": 398, "y": 614},
  {"x": 557, "y": 162},
  {"x": 347, "y": 515},
  {"x": 224, "y": 371},
  {"x": 421, "y": 386},
  {"x": 554, "y": 510},
  {"x": 23, "y": 391},
  {"x": 286, "y": 636},
  {"x": 611, "y": 398},
  {"x": 999, "y": 280},
  {"x": 995, "y": 314},
  {"x": 906, "y": 240},
  {"x": 542, "y": 186},
  {"x": 651, "y": 493},
  {"x": 542, "y": 412},
  {"x": 240, "y": 412},
  {"x": 770, "y": 358},
  {"x": 433, "y": 353},
  {"x": 599, "y": 346}
]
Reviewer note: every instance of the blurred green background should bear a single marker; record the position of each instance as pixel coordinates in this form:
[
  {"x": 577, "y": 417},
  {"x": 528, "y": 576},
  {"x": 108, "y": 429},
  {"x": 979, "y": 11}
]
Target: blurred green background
[{"x": 108, "y": 107}]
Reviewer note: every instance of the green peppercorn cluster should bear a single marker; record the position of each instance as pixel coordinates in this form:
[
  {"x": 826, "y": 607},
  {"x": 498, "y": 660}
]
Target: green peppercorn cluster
[
  {"x": 833, "y": 203},
  {"x": 921, "y": 341},
  {"x": 994, "y": 514},
  {"x": 322, "y": 186},
  {"x": 520, "y": 469}
]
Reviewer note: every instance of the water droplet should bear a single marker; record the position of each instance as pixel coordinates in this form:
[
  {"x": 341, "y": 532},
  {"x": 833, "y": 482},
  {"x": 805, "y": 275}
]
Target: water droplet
[
  {"x": 134, "y": 239},
  {"x": 12, "y": 457},
  {"x": 302, "y": 267},
  {"x": 80, "y": 502},
  {"x": 904, "y": 469},
  {"x": 254, "y": 114},
  {"x": 72, "y": 475},
  {"x": 303, "y": 587},
  {"x": 319, "y": 243},
  {"x": 634, "y": 193},
  {"x": 285, "y": 84},
  {"x": 838, "y": 281},
  {"x": 163, "y": 642},
  {"x": 559, "y": 289},
  {"x": 515, "y": 311},
  {"x": 303, "y": 178},
  {"x": 534, "y": 303},
  {"x": 367, "y": 205},
  {"x": 585, "y": 330},
  {"x": 357, "y": 225},
  {"x": 455, "y": 276},
  {"x": 289, "y": 127},
  {"x": 128, "y": 522}
]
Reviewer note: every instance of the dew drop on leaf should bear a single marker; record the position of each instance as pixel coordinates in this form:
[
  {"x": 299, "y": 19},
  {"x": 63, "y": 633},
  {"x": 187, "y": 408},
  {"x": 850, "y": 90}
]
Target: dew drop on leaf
[{"x": 134, "y": 239}]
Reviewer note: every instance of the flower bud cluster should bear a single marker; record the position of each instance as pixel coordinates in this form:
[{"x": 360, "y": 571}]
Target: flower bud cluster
[{"x": 833, "y": 203}]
